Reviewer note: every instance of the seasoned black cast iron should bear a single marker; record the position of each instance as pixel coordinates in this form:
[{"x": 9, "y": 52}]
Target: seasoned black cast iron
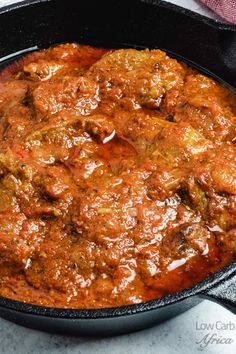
[{"x": 131, "y": 23}]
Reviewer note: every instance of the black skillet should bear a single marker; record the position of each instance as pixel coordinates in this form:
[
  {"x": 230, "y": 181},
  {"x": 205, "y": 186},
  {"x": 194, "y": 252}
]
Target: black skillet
[{"x": 131, "y": 23}]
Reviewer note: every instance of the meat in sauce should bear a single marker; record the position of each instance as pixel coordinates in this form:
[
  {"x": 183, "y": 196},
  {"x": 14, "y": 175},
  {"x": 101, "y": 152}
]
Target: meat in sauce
[{"x": 118, "y": 177}]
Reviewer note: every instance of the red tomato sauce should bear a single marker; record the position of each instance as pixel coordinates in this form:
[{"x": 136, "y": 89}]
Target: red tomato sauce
[{"x": 118, "y": 177}]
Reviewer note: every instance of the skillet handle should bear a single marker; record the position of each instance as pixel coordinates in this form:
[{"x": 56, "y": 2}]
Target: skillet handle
[{"x": 223, "y": 293}]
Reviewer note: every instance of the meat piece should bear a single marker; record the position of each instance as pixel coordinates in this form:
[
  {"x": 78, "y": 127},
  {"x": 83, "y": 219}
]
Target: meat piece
[
  {"x": 193, "y": 195},
  {"x": 12, "y": 94},
  {"x": 76, "y": 56},
  {"x": 157, "y": 138},
  {"x": 134, "y": 79},
  {"x": 177, "y": 145},
  {"x": 72, "y": 123},
  {"x": 42, "y": 69},
  {"x": 183, "y": 243},
  {"x": 71, "y": 92},
  {"x": 54, "y": 182},
  {"x": 139, "y": 128},
  {"x": 19, "y": 239},
  {"x": 218, "y": 172},
  {"x": 221, "y": 211},
  {"x": 206, "y": 105},
  {"x": 62, "y": 59},
  {"x": 164, "y": 183}
]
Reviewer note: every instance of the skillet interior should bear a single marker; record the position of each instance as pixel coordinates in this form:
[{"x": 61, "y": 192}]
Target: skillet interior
[{"x": 152, "y": 24}]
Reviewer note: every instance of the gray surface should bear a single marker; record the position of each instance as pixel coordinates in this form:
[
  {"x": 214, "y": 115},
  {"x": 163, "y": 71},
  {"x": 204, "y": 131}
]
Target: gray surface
[{"x": 179, "y": 335}]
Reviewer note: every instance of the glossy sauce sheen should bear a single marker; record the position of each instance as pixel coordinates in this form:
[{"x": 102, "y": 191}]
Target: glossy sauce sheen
[{"x": 118, "y": 177}]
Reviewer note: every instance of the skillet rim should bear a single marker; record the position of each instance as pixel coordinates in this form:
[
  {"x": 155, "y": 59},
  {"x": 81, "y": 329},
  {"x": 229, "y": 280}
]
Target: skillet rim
[
  {"x": 165, "y": 4},
  {"x": 199, "y": 289}
]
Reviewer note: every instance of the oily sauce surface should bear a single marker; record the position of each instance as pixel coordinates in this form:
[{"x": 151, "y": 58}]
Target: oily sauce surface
[{"x": 117, "y": 177}]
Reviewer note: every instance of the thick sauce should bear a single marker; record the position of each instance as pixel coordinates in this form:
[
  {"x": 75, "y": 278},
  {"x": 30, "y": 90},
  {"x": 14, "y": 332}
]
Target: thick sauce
[{"x": 118, "y": 177}]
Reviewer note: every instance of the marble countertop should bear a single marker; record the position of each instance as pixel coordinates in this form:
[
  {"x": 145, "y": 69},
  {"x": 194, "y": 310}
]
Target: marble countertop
[{"x": 187, "y": 333}]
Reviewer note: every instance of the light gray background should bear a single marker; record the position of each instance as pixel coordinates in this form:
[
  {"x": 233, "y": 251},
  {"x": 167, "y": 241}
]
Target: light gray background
[{"x": 178, "y": 335}]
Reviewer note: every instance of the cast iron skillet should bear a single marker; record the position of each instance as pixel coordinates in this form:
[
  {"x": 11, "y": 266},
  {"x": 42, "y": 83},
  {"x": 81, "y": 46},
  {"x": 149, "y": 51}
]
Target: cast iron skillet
[{"x": 132, "y": 23}]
